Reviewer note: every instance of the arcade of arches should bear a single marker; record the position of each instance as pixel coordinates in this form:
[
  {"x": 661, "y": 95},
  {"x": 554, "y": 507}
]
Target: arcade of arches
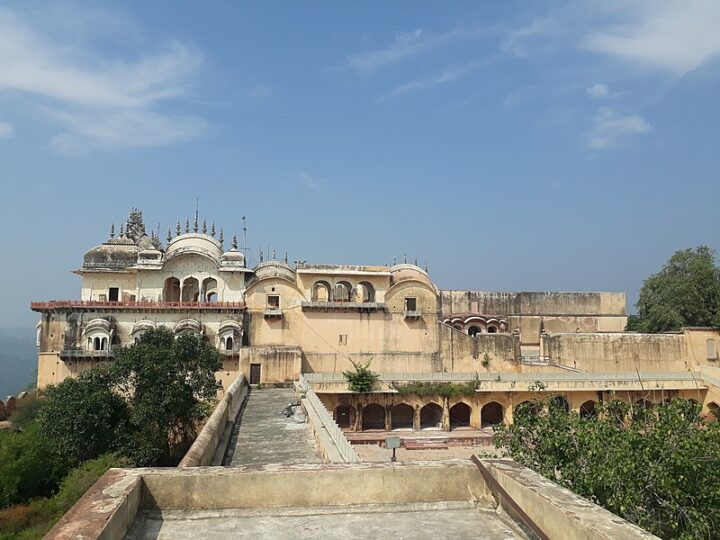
[{"x": 392, "y": 412}]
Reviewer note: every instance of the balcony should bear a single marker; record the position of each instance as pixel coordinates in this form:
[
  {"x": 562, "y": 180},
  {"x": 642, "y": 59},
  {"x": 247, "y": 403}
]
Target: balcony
[
  {"x": 413, "y": 313},
  {"x": 133, "y": 305},
  {"x": 272, "y": 312},
  {"x": 84, "y": 354},
  {"x": 343, "y": 306}
]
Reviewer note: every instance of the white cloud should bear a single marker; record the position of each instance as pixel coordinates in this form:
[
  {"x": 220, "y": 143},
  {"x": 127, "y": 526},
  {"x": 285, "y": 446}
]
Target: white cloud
[
  {"x": 598, "y": 91},
  {"x": 311, "y": 182},
  {"x": 449, "y": 74},
  {"x": 515, "y": 42},
  {"x": 611, "y": 128},
  {"x": 6, "y": 130},
  {"x": 677, "y": 36},
  {"x": 405, "y": 45},
  {"x": 103, "y": 102}
]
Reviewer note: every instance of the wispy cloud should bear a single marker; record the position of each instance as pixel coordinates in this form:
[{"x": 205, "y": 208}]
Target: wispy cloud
[
  {"x": 598, "y": 91},
  {"x": 611, "y": 128},
  {"x": 449, "y": 74},
  {"x": 312, "y": 183},
  {"x": 515, "y": 42},
  {"x": 7, "y": 130},
  {"x": 666, "y": 34},
  {"x": 404, "y": 45},
  {"x": 102, "y": 102}
]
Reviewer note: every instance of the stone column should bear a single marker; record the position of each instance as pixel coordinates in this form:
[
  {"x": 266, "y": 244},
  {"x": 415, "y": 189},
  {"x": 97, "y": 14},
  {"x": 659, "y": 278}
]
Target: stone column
[
  {"x": 416, "y": 418},
  {"x": 446, "y": 414}
]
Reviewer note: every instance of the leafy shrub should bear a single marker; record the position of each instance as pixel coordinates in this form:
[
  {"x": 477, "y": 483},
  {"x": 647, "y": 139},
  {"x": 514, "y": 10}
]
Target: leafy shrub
[
  {"x": 362, "y": 379},
  {"x": 442, "y": 389}
]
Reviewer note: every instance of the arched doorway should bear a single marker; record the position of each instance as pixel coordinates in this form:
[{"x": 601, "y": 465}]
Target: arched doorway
[
  {"x": 491, "y": 414},
  {"x": 561, "y": 403},
  {"x": 587, "y": 409},
  {"x": 373, "y": 417},
  {"x": 431, "y": 416},
  {"x": 402, "y": 416},
  {"x": 171, "y": 290},
  {"x": 460, "y": 416},
  {"x": 344, "y": 416},
  {"x": 190, "y": 290}
]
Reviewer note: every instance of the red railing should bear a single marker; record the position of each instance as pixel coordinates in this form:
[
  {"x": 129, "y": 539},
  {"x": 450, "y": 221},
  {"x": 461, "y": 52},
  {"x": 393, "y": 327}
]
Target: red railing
[{"x": 76, "y": 304}]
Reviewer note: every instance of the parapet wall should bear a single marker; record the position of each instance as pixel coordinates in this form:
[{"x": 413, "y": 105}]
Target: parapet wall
[
  {"x": 533, "y": 303},
  {"x": 620, "y": 352}
]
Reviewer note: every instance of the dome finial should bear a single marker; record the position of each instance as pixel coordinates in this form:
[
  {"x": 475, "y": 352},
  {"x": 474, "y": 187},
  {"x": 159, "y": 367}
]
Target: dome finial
[
  {"x": 187, "y": 225},
  {"x": 274, "y": 255},
  {"x": 204, "y": 229},
  {"x": 169, "y": 236},
  {"x": 394, "y": 260},
  {"x": 121, "y": 231},
  {"x": 286, "y": 258},
  {"x": 112, "y": 230},
  {"x": 212, "y": 229},
  {"x": 234, "y": 242},
  {"x": 177, "y": 229},
  {"x": 405, "y": 258},
  {"x": 195, "y": 223},
  {"x": 261, "y": 255},
  {"x": 222, "y": 236},
  {"x": 416, "y": 260}
]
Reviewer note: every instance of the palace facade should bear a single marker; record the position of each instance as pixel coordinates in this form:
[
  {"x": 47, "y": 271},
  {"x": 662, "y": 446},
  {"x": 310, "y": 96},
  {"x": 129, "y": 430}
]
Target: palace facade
[{"x": 276, "y": 321}]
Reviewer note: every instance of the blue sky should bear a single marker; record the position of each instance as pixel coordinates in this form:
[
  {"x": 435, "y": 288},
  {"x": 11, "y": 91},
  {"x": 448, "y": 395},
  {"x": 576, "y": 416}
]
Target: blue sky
[{"x": 514, "y": 145}]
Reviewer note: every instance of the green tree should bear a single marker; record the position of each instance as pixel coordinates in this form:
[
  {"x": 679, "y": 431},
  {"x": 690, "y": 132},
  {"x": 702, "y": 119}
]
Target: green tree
[
  {"x": 83, "y": 416},
  {"x": 362, "y": 379},
  {"x": 686, "y": 292},
  {"x": 169, "y": 384},
  {"x": 659, "y": 467}
]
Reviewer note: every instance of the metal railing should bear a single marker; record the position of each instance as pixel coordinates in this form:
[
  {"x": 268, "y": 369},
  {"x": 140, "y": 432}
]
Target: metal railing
[
  {"x": 346, "y": 450},
  {"x": 516, "y": 377},
  {"x": 133, "y": 304},
  {"x": 84, "y": 353}
]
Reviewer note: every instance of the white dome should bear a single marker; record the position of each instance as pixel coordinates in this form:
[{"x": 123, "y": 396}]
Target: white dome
[{"x": 201, "y": 244}]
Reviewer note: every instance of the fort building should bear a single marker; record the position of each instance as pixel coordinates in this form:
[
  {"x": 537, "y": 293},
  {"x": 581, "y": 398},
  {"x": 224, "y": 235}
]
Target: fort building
[{"x": 276, "y": 321}]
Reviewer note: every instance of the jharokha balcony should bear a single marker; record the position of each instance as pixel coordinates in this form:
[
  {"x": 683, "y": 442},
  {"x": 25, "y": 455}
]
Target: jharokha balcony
[{"x": 133, "y": 305}]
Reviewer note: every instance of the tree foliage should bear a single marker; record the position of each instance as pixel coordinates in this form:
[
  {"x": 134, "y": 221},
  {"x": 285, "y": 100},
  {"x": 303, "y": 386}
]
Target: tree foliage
[
  {"x": 657, "y": 467},
  {"x": 686, "y": 292},
  {"x": 362, "y": 379},
  {"x": 442, "y": 389}
]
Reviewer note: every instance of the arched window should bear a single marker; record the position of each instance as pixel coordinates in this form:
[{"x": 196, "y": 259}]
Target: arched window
[
  {"x": 345, "y": 416},
  {"x": 321, "y": 292},
  {"x": 587, "y": 409},
  {"x": 711, "y": 351},
  {"x": 492, "y": 329},
  {"x": 229, "y": 343},
  {"x": 97, "y": 344},
  {"x": 212, "y": 297},
  {"x": 367, "y": 291},
  {"x": 473, "y": 331},
  {"x": 103, "y": 344},
  {"x": 342, "y": 292},
  {"x": 561, "y": 403},
  {"x": 209, "y": 288},
  {"x": 491, "y": 414}
]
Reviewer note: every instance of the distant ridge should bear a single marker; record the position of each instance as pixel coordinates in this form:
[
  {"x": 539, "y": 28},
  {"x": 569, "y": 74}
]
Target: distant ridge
[{"x": 18, "y": 360}]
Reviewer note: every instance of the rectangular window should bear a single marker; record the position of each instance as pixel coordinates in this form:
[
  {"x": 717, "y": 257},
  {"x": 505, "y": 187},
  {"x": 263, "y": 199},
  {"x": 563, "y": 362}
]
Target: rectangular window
[
  {"x": 114, "y": 294},
  {"x": 342, "y": 339},
  {"x": 273, "y": 301},
  {"x": 410, "y": 303}
]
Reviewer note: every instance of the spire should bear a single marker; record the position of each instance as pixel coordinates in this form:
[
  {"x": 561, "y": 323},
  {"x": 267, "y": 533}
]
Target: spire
[
  {"x": 222, "y": 237},
  {"x": 121, "y": 231},
  {"x": 405, "y": 258},
  {"x": 261, "y": 255},
  {"x": 394, "y": 261},
  {"x": 426, "y": 268},
  {"x": 195, "y": 223},
  {"x": 234, "y": 242},
  {"x": 415, "y": 259},
  {"x": 274, "y": 255},
  {"x": 169, "y": 236},
  {"x": 286, "y": 258},
  {"x": 112, "y": 230},
  {"x": 204, "y": 229},
  {"x": 187, "y": 225},
  {"x": 212, "y": 229},
  {"x": 177, "y": 229}
]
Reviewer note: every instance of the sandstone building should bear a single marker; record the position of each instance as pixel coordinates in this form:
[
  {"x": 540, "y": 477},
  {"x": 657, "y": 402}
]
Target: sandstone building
[{"x": 276, "y": 321}]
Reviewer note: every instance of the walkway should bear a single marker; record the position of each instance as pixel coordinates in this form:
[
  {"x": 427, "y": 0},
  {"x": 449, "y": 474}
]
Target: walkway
[{"x": 263, "y": 435}]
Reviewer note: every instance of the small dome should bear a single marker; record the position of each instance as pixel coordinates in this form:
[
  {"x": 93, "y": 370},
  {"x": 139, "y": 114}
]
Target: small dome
[
  {"x": 272, "y": 269},
  {"x": 201, "y": 244},
  {"x": 114, "y": 254},
  {"x": 233, "y": 258},
  {"x": 407, "y": 272}
]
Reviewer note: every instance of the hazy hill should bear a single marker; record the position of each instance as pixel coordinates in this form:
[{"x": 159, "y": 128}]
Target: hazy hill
[{"x": 18, "y": 360}]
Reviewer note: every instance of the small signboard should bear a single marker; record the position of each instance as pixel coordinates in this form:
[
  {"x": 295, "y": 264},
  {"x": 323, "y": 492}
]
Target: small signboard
[{"x": 392, "y": 442}]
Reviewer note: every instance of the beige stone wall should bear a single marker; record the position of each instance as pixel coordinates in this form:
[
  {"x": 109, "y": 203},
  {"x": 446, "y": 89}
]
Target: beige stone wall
[{"x": 620, "y": 352}]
